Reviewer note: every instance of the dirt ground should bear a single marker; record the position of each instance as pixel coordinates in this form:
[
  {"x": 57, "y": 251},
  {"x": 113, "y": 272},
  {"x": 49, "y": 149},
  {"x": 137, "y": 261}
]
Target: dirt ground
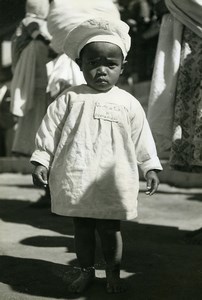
[{"x": 161, "y": 261}]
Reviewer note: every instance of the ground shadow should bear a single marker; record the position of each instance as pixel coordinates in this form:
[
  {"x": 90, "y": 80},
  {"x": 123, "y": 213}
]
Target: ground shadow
[
  {"x": 34, "y": 277},
  {"x": 195, "y": 197},
  {"x": 165, "y": 266},
  {"x": 157, "y": 264},
  {"x": 50, "y": 241},
  {"x": 20, "y": 185},
  {"x": 22, "y": 212},
  {"x": 46, "y": 279}
]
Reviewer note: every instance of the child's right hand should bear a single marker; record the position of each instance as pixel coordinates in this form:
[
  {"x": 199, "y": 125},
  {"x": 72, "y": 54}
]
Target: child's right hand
[{"x": 40, "y": 176}]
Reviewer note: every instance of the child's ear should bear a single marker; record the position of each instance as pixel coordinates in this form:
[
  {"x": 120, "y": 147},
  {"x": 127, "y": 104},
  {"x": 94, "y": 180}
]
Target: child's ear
[
  {"x": 79, "y": 63},
  {"x": 123, "y": 65}
]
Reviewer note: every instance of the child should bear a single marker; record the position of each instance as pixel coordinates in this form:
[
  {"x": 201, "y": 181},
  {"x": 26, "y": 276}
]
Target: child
[{"x": 89, "y": 147}]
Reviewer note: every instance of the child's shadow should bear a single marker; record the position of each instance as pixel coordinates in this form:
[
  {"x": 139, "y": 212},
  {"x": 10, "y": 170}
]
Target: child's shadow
[
  {"x": 33, "y": 276},
  {"x": 46, "y": 279}
]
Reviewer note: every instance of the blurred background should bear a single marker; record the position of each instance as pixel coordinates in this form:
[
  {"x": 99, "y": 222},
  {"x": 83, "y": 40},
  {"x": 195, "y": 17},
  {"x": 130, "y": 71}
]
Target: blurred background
[{"x": 142, "y": 16}]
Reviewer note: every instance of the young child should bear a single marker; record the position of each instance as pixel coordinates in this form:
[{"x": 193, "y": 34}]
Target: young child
[{"x": 89, "y": 146}]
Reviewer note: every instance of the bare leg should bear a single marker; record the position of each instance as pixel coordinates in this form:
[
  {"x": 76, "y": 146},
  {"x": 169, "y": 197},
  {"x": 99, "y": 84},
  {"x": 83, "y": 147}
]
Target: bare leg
[
  {"x": 85, "y": 251},
  {"x": 111, "y": 239}
]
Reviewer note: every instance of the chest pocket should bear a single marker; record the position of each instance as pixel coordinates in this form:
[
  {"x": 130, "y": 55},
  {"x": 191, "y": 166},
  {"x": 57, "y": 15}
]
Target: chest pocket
[{"x": 107, "y": 111}]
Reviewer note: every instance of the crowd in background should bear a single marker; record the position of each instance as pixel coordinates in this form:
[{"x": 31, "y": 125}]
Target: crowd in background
[
  {"x": 146, "y": 18},
  {"x": 143, "y": 18}
]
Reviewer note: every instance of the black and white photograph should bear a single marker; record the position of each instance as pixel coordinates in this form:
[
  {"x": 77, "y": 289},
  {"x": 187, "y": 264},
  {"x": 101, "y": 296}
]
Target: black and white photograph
[{"x": 101, "y": 149}]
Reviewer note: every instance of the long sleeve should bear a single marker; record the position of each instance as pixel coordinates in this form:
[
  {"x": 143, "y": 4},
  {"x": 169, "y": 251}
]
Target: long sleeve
[
  {"x": 144, "y": 143},
  {"x": 49, "y": 133}
]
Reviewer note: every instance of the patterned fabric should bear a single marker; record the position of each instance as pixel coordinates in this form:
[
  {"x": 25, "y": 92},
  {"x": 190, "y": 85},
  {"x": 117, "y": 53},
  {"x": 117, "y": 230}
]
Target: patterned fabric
[{"x": 186, "y": 152}]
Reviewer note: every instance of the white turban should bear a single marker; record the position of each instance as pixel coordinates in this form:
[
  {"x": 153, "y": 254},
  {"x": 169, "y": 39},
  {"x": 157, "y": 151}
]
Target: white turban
[
  {"x": 40, "y": 8},
  {"x": 64, "y": 15},
  {"x": 97, "y": 30}
]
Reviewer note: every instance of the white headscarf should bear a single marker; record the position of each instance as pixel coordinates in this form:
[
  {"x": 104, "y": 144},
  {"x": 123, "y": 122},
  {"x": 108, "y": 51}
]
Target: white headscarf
[
  {"x": 64, "y": 15},
  {"x": 97, "y": 30},
  {"x": 38, "y": 8}
]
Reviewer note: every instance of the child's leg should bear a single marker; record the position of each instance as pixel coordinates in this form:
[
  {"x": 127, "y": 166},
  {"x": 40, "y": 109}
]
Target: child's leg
[
  {"x": 84, "y": 236},
  {"x": 111, "y": 239},
  {"x": 85, "y": 251}
]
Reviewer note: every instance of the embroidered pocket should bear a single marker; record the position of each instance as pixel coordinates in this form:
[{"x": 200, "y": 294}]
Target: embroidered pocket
[{"x": 107, "y": 111}]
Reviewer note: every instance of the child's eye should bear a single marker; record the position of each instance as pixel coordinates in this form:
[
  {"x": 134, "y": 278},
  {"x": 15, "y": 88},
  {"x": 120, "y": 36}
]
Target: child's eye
[
  {"x": 111, "y": 65},
  {"x": 92, "y": 63}
]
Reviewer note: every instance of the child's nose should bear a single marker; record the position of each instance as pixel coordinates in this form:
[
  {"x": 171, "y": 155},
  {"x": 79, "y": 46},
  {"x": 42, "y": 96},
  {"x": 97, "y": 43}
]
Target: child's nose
[{"x": 101, "y": 70}]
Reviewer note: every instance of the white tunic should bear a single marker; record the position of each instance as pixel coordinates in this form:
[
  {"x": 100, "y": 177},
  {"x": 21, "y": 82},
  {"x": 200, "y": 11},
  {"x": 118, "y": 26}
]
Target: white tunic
[{"x": 92, "y": 143}]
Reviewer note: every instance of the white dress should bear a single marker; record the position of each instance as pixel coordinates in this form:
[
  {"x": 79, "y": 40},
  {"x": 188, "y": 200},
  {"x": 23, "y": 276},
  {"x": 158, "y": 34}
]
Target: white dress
[{"x": 92, "y": 143}]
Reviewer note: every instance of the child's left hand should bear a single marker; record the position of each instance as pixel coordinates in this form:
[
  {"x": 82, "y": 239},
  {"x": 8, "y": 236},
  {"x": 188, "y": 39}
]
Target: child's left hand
[{"x": 152, "y": 182}]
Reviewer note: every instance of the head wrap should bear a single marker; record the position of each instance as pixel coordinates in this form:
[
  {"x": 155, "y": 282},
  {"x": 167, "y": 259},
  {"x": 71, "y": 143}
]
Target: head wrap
[
  {"x": 38, "y": 8},
  {"x": 64, "y": 15},
  {"x": 97, "y": 30}
]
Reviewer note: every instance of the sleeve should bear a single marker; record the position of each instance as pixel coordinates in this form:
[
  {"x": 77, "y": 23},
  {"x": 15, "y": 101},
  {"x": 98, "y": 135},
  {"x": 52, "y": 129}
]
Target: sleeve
[
  {"x": 145, "y": 147},
  {"x": 49, "y": 133}
]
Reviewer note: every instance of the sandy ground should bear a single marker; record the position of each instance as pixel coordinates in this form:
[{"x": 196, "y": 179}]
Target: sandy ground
[{"x": 160, "y": 261}]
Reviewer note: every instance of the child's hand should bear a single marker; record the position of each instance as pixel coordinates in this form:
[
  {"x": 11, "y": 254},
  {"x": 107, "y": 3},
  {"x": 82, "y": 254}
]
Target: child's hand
[
  {"x": 152, "y": 182},
  {"x": 40, "y": 176}
]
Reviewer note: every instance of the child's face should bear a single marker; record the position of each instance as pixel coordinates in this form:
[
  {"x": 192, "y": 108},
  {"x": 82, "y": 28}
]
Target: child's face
[{"x": 102, "y": 64}]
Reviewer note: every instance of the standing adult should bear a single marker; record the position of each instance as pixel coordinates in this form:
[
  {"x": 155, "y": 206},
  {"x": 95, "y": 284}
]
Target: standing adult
[
  {"x": 30, "y": 53},
  {"x": 175, "y": 103}
]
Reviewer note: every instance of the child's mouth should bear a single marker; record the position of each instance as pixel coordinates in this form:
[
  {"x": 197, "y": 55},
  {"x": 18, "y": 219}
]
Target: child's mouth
[{"x": 101, "y": 80}]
